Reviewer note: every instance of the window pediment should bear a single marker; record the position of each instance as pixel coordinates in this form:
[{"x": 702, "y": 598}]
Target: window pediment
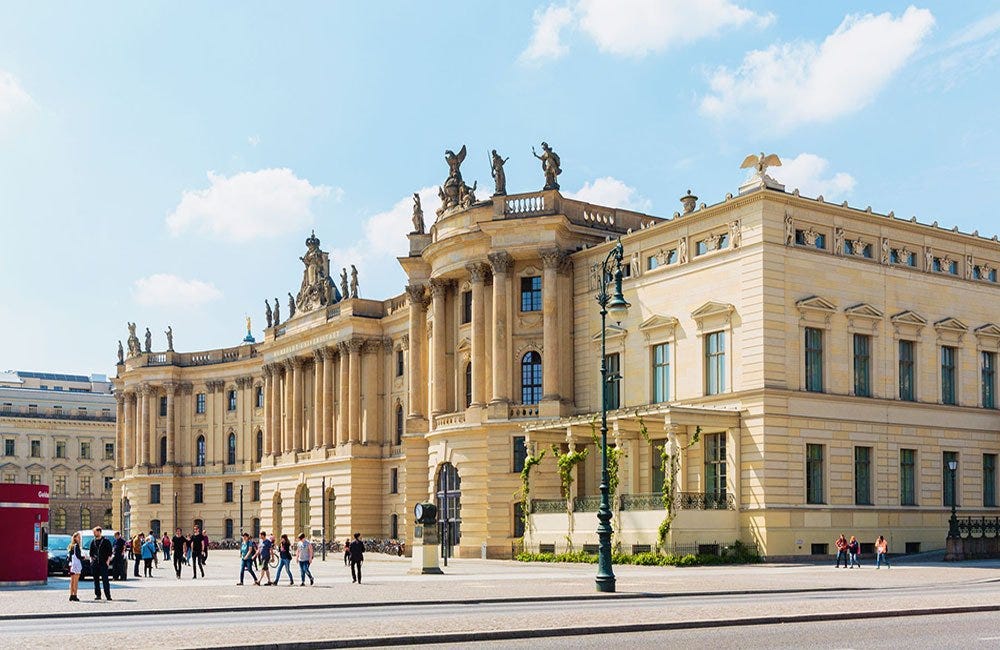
[
  {"x": 907, "y": 323},
  {"x": 465, "y": 345},
  {"x": 9, "y": 465},
  {"x": 816, "y": 310},
  {"x": 60, "y": 467},
  {"x": 612, "y": 332},
  {"x": 659, "y": 326},
  {"x": 712, "y": 314},
  {"x": 35, "y": 466},
  {"x": 863, "y": 318},
  {"x": 988, "y": 330},
  {"x": 951, "y": 330}
]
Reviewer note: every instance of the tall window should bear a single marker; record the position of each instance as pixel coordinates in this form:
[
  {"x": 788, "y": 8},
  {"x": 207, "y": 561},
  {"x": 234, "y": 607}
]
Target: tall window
[
  {"x": 255, "y": 490},
  {"x": 154, "y": 493},
  {"x": 163, "y": 406},
  {"x": 260, "y": 445},
  {"x": 814, "y": 359},
  {"x": 399, "y": 425},
  {"x": 715, "y": 363},
  {"x": 84, "y": 518},
  {"x": 199, "y": 493},
  {"x": 906, "y": 388},
  {"x": 814, "y": 473},
  {"x": 61, "y": 485},
  {"x": 60, "y": 449},
  {"x": 862, "y": 365},
  {"x": 199, "y": 403},
  {"x": 612, "y": 389},
  {"x": 468, "y": 384},
  {"x": 59, "y": 520},
  {"x": 8, "y": 447},
  {"x": 231, "y": 400},
  {"x": 399, "y": 363},
  {"x": 466, "y": 307},
  {"x": 715, "y": 464},
  {"x": 163, "y": 451},
  {"x": 259, "y": 397},
  {"x": 989, "y": 480},
  {"x": 109, "y": 451},
  {"x": 520, "y": 453},
  {"x": 229, "y": 529},
  {"x": 228, "y": 493},
  {"x": 199, "y": 459},
  {"x": 948, "y": 478},
  {"x": 988, "y": 370},
  {"x": 656, "y": 467},
  {"x": 394, "y": 480},
  {"x": 36, "y": 448},
  {"x": 948, "y": 375},
  {"x": 531, "y": 293},
  {"x": 85, "y": 450},
  {"x": 231, "y": 449},
  {"x": 661, "y": 372},
  {"x": 85, "y": 485},
  {"x": 531, "y": 378},
  {"x": 907, "y": 477},
  {"x": 863, "y": 476}
]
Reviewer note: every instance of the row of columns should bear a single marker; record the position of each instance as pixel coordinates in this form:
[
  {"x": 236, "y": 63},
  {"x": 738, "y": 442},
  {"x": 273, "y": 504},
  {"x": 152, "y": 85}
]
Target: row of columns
[{"x": 138, "y": 409}]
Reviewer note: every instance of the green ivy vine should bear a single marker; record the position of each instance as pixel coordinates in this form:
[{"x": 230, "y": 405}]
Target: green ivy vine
[
  {"x": 525, "y": 495},
  {"x": 566, "y": 462},
  {"x": 669, "y": 466}
]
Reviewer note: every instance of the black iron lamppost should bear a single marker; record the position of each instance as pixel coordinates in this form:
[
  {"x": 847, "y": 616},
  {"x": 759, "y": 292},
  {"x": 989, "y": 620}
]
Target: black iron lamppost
[
  {"x": 175, "y": 510},
  {"x": 617, "y": 307},
  {"x": 322, "y": 494},
  {"x": 953, "y": 532},
  {"x": 241, "y": 510}
]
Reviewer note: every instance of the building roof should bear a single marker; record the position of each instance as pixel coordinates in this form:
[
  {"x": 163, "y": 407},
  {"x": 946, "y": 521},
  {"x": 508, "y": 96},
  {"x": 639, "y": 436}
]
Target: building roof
[{"x": 52, "y": 376}]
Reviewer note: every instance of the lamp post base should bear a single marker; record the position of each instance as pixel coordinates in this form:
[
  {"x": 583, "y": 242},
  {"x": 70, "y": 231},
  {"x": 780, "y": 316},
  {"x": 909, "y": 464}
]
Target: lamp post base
[{"x": 605, "y": 584}]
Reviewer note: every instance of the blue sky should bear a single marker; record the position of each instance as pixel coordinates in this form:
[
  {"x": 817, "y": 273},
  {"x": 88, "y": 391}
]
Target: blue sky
[{"x": 163, "y": 162}]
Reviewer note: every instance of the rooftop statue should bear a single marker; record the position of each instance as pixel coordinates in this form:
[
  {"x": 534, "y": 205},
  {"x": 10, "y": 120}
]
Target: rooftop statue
[
  {"x": 149, "y": 341},
  {"x": 551, "y": 166},
  {"x": 354, "y": 281},
  {"x": 315, "y": 290},
  {"x": 291, "y": 305},
  {"x": 499, "y": 176},
  {"x": 418, "y": 215},
  {"x": 267, "y": 314},
  {"x": 170, "y": 338},
  {"x": 121, "y": 353},
  {"x": 760, "y": 178},
  {"x": 134, "y": 348},
  {"x": 454, "y": 192},
  {"x": 277, "y": 313},
  {"x": 344, "y": 290}
]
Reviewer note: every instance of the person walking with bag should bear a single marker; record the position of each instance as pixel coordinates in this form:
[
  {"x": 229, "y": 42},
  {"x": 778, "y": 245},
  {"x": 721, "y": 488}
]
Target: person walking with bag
[
  {"x": 304, "y": 554},
  {"x": 853, "y": 550},
  {"x": 75, "y": 567},
  {"x": 137, "y": 552},
  {"x": 284, "y": 560},
  {"x": 357, "y": 552},
  {"x": 248, "y": 550},
  {"x": 100, "y": 560},
  {"x": 882, "y": 552},
  {"x": 165, "y": 545}
]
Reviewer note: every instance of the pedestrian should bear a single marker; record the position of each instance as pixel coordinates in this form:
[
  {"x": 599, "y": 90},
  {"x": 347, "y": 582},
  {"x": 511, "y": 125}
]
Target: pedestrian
[
  {"x": 264, "y": 550},
  {"x": 165, "y": 545},
  {"x": 148, "y": 555},
  {"x": 357, "y": 552},
  {"x": 284, "y": 560},
  {"x": 854, "y": 550},
  {"x": 100, "y": 560},
  {"x": 118, "y": 569},
  {"x": 247, "y": 552},
  {"x": 187, "y": 553},
  {"x": 304, "y": 554},
  {"x": 75, "y": 566},
  {"x": 137, "y": 543},
  {"x": 347, "y": 552},
  {"x": 882, "y": 552},
  {"x": 156, "y": 550},
  {"x": 180, "y": 547},
  {"x": 199, "y": 549},
  {"x": 841, "y": 550}
]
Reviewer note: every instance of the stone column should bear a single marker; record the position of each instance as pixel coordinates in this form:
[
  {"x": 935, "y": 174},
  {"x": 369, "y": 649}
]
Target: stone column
[
  {"x": 551, "y": 261},
  {"x": 414, "y": 336},
  {"x": 318, "y": 394},
  {"x": 286, "y": 397},
  {"x": 477, "y": 274},
  {"x": 120, "y": 431},
  {"x": 354, "y": 407},
  {"x": 298, "y": 392},
  {"x": 328, "y": 424},
  {"x": 342, "y": 407},
  {"x": 266, "y": 371},
  {"x": 171, "y": 389},
  {"x": 502, "y": 263},
  {"x": 439, "y": 347},
  {"x": 130, "y": 436},
  {"x": 154, "y": 440},
  {"x": 677, "y": 439},
  {"x": 369, "y": 382},
  {"x": 143, "y": 427}
]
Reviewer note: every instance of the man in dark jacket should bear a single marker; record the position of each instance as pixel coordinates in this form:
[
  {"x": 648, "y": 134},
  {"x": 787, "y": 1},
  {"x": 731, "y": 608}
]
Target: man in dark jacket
[
  {"x": 357, "y": 551},
  {"x": 199, "y": 550},
  {"x": 101, "y": 551},
  {"x": 178, "y": 546},
  {"x": 118, "y": 571}
]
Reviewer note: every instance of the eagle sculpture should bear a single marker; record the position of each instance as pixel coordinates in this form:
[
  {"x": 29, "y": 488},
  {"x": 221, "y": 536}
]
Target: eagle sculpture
[{"x": 761, "y": 162}]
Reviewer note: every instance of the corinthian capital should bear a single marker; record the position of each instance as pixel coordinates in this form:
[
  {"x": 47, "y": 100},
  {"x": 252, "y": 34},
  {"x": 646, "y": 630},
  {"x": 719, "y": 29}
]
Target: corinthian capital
[
  {"x": 477, "y": 271},
  {"x": 354, "y": 345},
  {"x": 415, "y": 292},
  {"x": 552, "y": 258},
  {"x": 501, "y": 261},
  {"x": 439, "y": 286}
]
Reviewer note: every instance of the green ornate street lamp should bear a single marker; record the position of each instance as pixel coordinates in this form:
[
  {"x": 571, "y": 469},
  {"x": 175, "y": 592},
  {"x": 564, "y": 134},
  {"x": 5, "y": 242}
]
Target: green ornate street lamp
[
  {"x": 953, "y": 532},
  {"x": 617, "y": 307}
]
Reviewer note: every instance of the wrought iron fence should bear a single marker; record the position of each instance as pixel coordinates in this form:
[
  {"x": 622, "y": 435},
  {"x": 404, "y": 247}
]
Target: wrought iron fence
[
  {"x": 682, "y": 501},
  {"x": 540, "y": 506},
  {"x": 982, "y": 527},
  {"x": 586, "y": 504}
]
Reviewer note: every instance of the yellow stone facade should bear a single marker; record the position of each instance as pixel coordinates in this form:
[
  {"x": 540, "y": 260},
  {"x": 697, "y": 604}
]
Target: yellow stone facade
[{"x": 377, "y": 401}]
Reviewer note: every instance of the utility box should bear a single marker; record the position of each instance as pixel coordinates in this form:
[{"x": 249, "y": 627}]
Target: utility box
[{"x": 24, "y": 511}]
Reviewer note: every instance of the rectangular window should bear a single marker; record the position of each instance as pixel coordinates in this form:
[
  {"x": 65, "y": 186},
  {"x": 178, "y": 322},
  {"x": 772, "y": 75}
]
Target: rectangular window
[
  {"x": 948, "y": 375},
  {"x": 661, "y": 373},
  {"x": 652, "y": 262},
  {"x": 715, "y": 464},
  {"x": 229, "y": 493},
  {"x": 520, "y": 453},
  {"x": 907, "y": 477},
  {"x": 518, "y": 519},
  {"x": 259, "y": 397},
  {"x": 231, "y": 400},
  {"x": 531, "y": 293},
  {"x": 656, "y": 467},
  {"x": 107, "y": 483},
  {"x": 255, "y": 490},
  {"x": 8, "y": 447},
  {"x": 85, "y": 450},
  {"x": 163, "y": 406},
  {"x": 61, "y": 485},
  {"x": 949, "y": 478},
  {"x": 906, "y": 387},
  {"x": 60, "y": 449},
  {"x": 199, "y": 403},
  {"x": 862, "y": 365},
  {"x": 989, "y": 480},
  {"x": 35, "y": 479},
  {"x": 85, "y": 485},
  {"x": 9, "y": 477},
  {"x": 612, "y": 389},
  {"x": 109, "y": 451},
  {"x": 154, "y": 493},
  {"x": 715, "y": 363},
  {"x": 988, "y": 370},
  {"x": 399, "y": 363},
  {"x": 814, "y": 360},
  {"x": 863, "y": 476},
  {"x": 36, "y": 448},
  {"x": 394, "y": 480},
  {"x": 199, "y": 492},
  {"x": 814, "y": 473},
  {"x": 466, "y": 307}
]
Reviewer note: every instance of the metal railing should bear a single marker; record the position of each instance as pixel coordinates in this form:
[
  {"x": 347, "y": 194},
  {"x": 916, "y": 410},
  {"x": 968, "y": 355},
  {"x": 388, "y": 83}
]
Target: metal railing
[
  {"x": 649, "y": 501},
  {"x": 586, "y": 504},
  {"x": 55, "y": 414},
  {"x": 981, "y": 527}
]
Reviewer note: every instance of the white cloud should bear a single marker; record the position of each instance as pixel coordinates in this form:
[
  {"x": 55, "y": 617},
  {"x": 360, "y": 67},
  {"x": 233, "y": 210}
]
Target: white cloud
[
  {"x": 611, "y": 192},
  {"x": 253, "y": 140},
  {"x": 808, "y": 173},
  {"x": 546, "y": 41},
  {"x": 789, "y": 84},
  {"x": 248, "y": 205},
  {"x": 167, "y": 290},
  {"x": 639, "y": 27},
  {"x": 13, "y": 96}
]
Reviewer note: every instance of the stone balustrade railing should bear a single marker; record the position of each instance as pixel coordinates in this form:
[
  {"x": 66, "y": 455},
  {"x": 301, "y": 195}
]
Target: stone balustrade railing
[
  {"x": 521, "y": 411},
  {"x": 449, "y": 419}
]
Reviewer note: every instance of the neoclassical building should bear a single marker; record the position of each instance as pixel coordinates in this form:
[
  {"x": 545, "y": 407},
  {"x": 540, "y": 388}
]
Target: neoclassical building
[{"x": 813, "y": 366}]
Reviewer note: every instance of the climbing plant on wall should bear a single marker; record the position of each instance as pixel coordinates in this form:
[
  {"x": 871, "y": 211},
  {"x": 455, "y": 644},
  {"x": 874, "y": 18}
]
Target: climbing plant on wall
[
  {"x": 529, "y": 462},
  {"x": 669, "y": 466},
  {"x": 565, "y": 462}
]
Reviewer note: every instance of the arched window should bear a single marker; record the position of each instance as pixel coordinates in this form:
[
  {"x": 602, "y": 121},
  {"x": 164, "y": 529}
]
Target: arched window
[
  {"x": 84, "y": 518},
  {"x": 59, "y": 520},
  {"x": 229, "y": 529},
  {"x": 531, "y": 378},
  {"x": 231, "y": 449},
  {"x": 199, "y": 459},
  {"x": 399, "y": 424},
  {"x": 163, "y": 451},
  {"x": 468, "y": 384},
  {"x": 260, "y": 445}
]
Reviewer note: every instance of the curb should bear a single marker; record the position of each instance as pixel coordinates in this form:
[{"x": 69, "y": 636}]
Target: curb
[
  {"x": 429, "y": 603},
  {"x": 508, "y": 635}
]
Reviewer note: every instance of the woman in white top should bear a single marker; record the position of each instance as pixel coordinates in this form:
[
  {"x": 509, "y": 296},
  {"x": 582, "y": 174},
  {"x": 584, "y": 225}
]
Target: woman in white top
[
  {"x": 75, "y": 566},
  {"x": 304, "y": 554}
]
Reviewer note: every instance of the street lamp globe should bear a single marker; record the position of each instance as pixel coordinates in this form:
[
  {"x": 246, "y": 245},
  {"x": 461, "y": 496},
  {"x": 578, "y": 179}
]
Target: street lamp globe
[
  {"x": 618, "y": 307},
  {"x": 953, "y": 465}
]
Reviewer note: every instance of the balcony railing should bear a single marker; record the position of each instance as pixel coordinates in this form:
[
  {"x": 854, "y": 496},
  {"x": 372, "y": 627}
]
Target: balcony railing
[
  {"x": 521, "y": 411},
  {"x": 541, "y": 506},
  {"x": 635, "y": 502},
  {"x": 586, "y": 504},
  {"x": 54, "y": 414},
  {"x": 449, "y": 419}
]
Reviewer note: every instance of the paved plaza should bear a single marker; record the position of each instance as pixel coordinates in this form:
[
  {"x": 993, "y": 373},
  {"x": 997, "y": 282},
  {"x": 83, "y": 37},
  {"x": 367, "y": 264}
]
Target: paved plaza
[{"x": 473, "y": 596}]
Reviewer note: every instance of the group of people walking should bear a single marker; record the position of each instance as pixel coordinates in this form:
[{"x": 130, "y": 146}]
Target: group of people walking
[
  {"x": 850, "y": 551},
  {"x": 263, "y": 552}
]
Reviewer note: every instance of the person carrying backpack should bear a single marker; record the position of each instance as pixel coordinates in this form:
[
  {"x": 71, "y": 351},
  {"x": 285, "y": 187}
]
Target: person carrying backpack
[{"x": 247, "y": 552}]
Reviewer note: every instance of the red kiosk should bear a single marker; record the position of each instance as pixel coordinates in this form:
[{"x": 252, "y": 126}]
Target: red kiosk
[{"x": 24, "y": 511}]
